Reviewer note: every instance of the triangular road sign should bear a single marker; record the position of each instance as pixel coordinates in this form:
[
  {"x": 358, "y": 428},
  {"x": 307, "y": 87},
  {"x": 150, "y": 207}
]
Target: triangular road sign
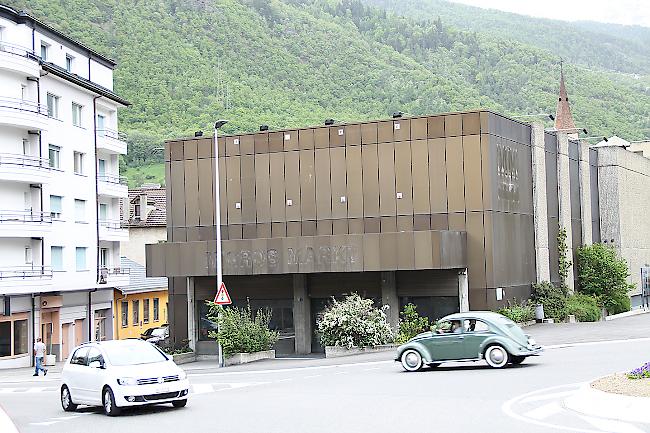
[{"x": 222, "y": 297}]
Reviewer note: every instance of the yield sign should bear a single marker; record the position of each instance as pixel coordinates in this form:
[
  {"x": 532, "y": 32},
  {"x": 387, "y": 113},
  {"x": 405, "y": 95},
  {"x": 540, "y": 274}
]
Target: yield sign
[{"x": 222, "y": 297}]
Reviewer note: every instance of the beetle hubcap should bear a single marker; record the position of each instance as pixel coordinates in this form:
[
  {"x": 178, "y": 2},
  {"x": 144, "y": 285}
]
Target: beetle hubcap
[
  {"x": 496, "y": 356},
  {"x": 412, "y": 359}
]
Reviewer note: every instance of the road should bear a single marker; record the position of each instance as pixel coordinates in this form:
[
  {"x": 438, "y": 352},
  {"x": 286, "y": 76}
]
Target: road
[{"x": 368, "y": 393}]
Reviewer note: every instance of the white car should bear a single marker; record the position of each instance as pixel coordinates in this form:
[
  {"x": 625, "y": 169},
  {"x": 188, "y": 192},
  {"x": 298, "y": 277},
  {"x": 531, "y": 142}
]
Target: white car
[{"x": 120, "y": 373}]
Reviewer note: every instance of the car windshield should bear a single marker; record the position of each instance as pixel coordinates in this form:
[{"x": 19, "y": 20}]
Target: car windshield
[
  {"x": 132, "y": 354},
  {"x": 160, "y": 332}
]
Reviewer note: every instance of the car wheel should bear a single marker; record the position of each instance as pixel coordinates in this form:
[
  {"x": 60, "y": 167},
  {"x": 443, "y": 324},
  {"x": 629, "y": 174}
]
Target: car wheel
[
  {"x": 516, "y": 360},
  {"x": 411, "y": 360},
  {"x": 108, "y": 401},
  {"x": 496, "y": 356},
  {"x": 66, "y": 400},
  {"x": 179, "y": 403}
]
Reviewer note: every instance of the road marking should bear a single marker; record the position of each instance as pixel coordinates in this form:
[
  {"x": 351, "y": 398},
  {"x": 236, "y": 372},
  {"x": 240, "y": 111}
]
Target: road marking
[
  {"x": 44, "y": 423},
  {"x": 283, "y": 370},
  {"x": 36, "y": 389},
  {"x": 32, "y": 390},
  {"x": 546, "y": 396},
  {"x": 7, "y": 390},
  {"x": 65, "y": 418},
  {"x": 202, "y": 388},
  {"x": 595, "y": 343},
  {"x": 6, "y": 425},
  {"x": 284, "y": 380},
  {"x": 342, "y": 372},
  {"x": 313, "y": 376},
  {"x": 611, "y": 426},
  {"x": 545, "y": 411}
]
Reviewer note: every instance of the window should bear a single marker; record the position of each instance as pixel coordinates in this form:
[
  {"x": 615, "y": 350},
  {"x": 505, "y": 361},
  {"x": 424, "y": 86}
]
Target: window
[
  {"x": 475, "y": 326},
  {"x": 95, "y": 355},
  {"x": 156, "y": 309},
  {"x": 79, "y": 210},
  {"x": 20, "y": 337},
  {"x": 136, "y": 312},
  {"x": 81, "y": 258},
  {"x": 55, "y": 156},
  {"x": 103, "y": 211},
  {"x": 53, "y": 106},
  {"x": 56, "y": 205},
  {"x": 145, "y": 310},
  {"x": 29, "y": 259},
  {"x": 101, "y": 167},
  {"x": 125, "y": 314},
  {"x": 79, "y": 162},
  {"x": 13, "y": 335},
  {"x": 56, "y": 258},
  {"x": 44, "y": 49},
  {"x": 68, "y": 62},
  {"x": 101, "y": 124},
  {"x": 5, "y": 339},
  {"x": 80, "y": 356},
  {"x": 76, "y": 114},
  {"x": 136, "y": 211},
  {"x": 103, "y": 257}
]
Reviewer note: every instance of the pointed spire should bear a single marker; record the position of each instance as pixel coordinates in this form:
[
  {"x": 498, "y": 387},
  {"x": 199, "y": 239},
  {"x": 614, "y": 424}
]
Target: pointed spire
[{"x": 563, "y": 117}]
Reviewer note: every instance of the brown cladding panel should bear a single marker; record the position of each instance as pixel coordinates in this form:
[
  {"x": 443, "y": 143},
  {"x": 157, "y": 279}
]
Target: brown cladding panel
[
  {"x": 437, "y": 175},
  {"x": 207, "y": 233},
  {"x": 475, "y": 249},
  {"x": 472, "y": 171},
  {"x": 488, "y": 170},
  {"x": 340, "y": 227},
  {"x": 178, "y": 194},
  {"x": 191, "y": 193},
  {"x": 321, "y": 137},
  {"x": 369, "y": 133},
  {"x": 306, "y": 139},
  {"x": 276, "y": 142},
  {"x": 354, "y": 193},
  {"x": 403, "y": 179},
  {"x": 457, "y": 221},
  {"x": 278, "y": 201},
  {"x": 193, "y": 234},
  {"x": 309, "y": 228},
  {"x": 206, "y": 192},
  {"x": 176, "y": 150},
  {"x": 261, "y": 142},
  {"x": 355, "y": 225},
  {"x": 388, "y": 224},
  {"x": 290, "y": 140},
  {"x": 323, "y": 185},
  {"x": 278, "y": 230},
  {"x": 455, "y": 174},
  {"x": 436, "y": 254},
  {"x": 338, "y": 179},
  {"x": 471, "y": 124},
  {"x": 155, "y": 259},
  {"x": 167, "y": 151},
  {"x": 179, "y": 234},
  {"x": 294, "y": 229},
  {"x": 233, "y": 189},
  {"x": 249, "y": 231},
  {"x": 405, "y": 223},
  {"x": 421, "y": 222},
  {"x": 385, "y": 131},
  {"x": 352, "y": 135},
  {"x": 324, "y": 227},
  {"x": 387, "y": 201},
  {"x": 436, "y": 127},
  {"x": 401, "y": 129},
  {"x": 307, "y": 185},
  {"x": 388, "y": 251},
  {"x": 370, "y": 180},
  {"x": 263, "y": 230},
  {"x": 235, "y": 231},
  {"x": 489, "y": 251},
  {"x": 453, "y": 125},
  {"x": 262, "y": 188},
  {"x": 248, "y": 208},
  {"x": 190, "y": 150},
  {"x": 223, "y": 197},
  {"x": 440, "y": 221},
  {"x": 168, "y": 195},
  {"x": 247, "y": 144},
  {"x": 337, "y": 136},
  {"x": 371, "y": 225},
  {"x": 422, "y": 248},
  {"x": 205, "y": 147},
  {"x": 292, "y": 184},
  {"x": 371, "y": 253},
  {"x": 419, "y": 128},
  {"x": 405, "y": 251},
  {"x": 232, "y": 145},
  {"x": 420, "y": 169}
]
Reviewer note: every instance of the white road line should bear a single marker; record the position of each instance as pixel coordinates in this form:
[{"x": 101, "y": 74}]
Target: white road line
[
  {"x": 342, "y": 372},
  {"x": 313, "y": 376},
  {"x": 44, "y": 423},
  {"x": 284, "y": 380},
  {"x": 596, "y": 343},
  {"x": 611, "y": 426},
  {"x": 547, "y": 396},
  {"x": 371, "y": 369},
  {"x": 65, "y": 418},
  {"x": 545, "y": 411},
  {"x": 36, "y": 389},
  {"x": 245, "y": 384},
  {"x": 6, "y": 425},
  {"x": 202, "y": 388},
  {"x": 7, "y": 390},
  {"x": 284, "y": 370}
]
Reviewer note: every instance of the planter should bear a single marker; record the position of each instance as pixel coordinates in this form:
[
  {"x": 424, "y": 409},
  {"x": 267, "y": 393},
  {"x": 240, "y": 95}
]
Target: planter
[
  {"x": 539, "y": 312},
  {"x": 244, "y": 358},
  {"x": 338, "y": 351},
  {"x": 184, "y": 358},
  {"x": 49, "y": 360}
]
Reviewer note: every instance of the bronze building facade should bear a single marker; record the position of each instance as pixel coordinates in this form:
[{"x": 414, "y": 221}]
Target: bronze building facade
[{"x": 435, "y": 210}]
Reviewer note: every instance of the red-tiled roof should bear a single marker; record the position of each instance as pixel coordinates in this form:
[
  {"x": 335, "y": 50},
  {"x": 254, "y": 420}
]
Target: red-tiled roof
[
  {"x": 563, "y": 117},
  {"x": 156, "y": 198}
]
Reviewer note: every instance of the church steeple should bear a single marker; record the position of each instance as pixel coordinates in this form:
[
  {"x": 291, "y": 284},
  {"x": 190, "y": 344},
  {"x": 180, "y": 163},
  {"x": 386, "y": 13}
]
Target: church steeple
[{"x": 563, "y": 117}]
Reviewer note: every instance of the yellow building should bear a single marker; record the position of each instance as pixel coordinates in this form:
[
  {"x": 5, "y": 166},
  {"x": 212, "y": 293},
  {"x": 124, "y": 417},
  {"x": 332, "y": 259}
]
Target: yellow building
[{"x": 142, "y": 305}]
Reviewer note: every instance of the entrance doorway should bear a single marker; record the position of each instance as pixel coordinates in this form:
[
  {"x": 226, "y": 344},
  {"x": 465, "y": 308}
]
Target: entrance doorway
[{"x": 65, "y": 340}]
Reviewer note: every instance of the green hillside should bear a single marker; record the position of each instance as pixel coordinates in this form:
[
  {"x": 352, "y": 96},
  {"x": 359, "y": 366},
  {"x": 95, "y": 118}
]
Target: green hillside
[{"x": 184, "y": 63}]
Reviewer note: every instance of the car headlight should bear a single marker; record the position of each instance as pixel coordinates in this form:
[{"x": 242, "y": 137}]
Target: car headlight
[
  {"x": 531, "y": 341},
  {"x": 182, "y": 375},
  {"x": 127, "y": 381}
]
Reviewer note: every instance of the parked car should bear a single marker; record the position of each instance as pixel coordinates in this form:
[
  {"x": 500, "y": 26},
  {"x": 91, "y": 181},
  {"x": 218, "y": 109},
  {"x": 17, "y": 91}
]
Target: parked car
[
  {"x": 120, "y": 373},
  {"x": 158, "y": 335},
  {"x": 469, "y": 336},
  {"x": 147, "y": 333}
]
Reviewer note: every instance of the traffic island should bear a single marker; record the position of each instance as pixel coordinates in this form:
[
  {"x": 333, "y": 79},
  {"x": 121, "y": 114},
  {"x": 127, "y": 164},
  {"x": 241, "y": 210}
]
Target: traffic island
[
  {"x": 245, "y": 358},
  {"x": 615, "y": 397}
]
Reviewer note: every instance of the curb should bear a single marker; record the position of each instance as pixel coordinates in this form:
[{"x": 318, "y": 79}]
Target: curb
[
  {"x": 592, "y": 402},
  {"x": 636, "y": 312}
]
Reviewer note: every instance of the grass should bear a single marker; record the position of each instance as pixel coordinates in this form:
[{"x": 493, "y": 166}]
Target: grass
[{"x": 151, "y": 173}]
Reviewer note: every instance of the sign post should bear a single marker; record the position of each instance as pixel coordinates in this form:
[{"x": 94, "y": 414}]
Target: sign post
[
  {"x": 221, "y": 298},
  {"x": 217, "y": 219}
]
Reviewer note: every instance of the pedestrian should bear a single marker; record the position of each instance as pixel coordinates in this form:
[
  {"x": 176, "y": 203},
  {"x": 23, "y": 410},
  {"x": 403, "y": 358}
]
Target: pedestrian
[{"x": 39, "y": 357}]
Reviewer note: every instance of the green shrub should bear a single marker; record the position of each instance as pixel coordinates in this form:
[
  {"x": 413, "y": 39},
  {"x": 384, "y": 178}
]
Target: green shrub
[
  {"x": 353, "y": 322},
  {"x": 241, "y": 331},
  {"x": 518, "y": 312},
  {"x": 583, "y": 307},
  {"x": 602, "y": 274},
  {"x": 553, "y": 298},
  {"x": 410, "y": 324}
]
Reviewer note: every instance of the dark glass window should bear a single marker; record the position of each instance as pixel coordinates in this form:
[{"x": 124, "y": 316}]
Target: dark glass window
[
  {"x": 20, "y": 337},
  {"x": 5, "y": 339}
]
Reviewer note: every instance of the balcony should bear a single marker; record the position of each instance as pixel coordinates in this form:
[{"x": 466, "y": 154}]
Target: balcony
[
  {"x": 112, "y": 186},
  {"x": 24, "y": 224},
  {"x": 18, "y": 280},
  {"x": 112, "y": 231},
  {"x": 111, "y": 141},
  {"x": 24, "y": 168},
  {"x": 18, "y": 59},
  {"x": 114, "y": 277},
  {"x": 23, "y": 114}
]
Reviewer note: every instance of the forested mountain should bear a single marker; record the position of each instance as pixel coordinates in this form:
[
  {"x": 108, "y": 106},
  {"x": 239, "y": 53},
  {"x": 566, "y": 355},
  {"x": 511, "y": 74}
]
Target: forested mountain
[{"x": 288, "y": 63}]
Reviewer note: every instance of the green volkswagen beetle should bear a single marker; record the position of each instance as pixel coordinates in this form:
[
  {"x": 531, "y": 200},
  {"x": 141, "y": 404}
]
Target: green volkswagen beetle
[{"x": 469, "y": 336}]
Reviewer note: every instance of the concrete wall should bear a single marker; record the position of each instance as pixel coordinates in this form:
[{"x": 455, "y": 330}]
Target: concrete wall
[{"x": 138, "y": 238}]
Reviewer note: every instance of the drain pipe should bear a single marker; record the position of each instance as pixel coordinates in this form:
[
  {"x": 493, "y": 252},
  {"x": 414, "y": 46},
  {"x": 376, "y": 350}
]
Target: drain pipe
[
  {"x": 96, "y": 189},
  {"x": 33, "y": 329},
  {"x": 90, "y": 306}
]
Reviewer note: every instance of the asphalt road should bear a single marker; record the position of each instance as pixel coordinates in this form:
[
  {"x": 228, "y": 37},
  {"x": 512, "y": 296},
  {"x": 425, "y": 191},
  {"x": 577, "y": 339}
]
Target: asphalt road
[{"x": 368, "y": 393}]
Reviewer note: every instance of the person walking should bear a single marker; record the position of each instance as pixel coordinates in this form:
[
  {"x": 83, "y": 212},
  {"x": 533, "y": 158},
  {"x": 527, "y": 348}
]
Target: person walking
[{"x": 39, "y": 357}]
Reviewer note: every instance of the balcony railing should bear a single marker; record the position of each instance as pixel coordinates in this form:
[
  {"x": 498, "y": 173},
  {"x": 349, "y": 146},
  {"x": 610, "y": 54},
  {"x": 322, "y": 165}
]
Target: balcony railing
[
  {"x": 25, "y": 216},
  {"x": 22, "y": 105},
  {"x": 24, "y": 160},
  {"x": 25, "y": 272},
  {"x": 17, "y": 50},
  {"x": 114, "y": 271},
  {"x": 118, "y": 180},
  {"x": 111, "y": 133},
  {"x": 112, "y": 224}
]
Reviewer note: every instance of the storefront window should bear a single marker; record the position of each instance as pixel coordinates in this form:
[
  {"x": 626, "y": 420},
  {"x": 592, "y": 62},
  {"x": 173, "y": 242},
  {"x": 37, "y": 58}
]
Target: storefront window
[
  {"x": 205, "y": 324},
  {"x": 20, "y": 337},
  {"x": 5, "y": 339}
]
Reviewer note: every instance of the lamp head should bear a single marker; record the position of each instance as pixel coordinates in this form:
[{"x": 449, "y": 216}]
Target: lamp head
[{"x": 219, "y": 123}]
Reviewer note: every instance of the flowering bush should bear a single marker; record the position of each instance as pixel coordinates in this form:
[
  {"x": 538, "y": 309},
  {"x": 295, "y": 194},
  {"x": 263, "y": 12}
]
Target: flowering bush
[
  {"x": 641, "y": 372},
  {"x": 411, "y": 324},
  {"x": 353, "y": 322},
  {"x": 518, "y": 313}
]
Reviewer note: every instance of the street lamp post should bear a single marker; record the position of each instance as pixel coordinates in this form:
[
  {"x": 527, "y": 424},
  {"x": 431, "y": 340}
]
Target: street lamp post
[{"x": 217, "y": 218}]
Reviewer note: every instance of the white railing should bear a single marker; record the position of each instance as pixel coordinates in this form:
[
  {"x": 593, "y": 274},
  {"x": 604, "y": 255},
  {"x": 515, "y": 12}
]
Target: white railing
[
  {"x": 17, "y": 50},
  {"x": 24, "y": 160},
  {"x": 25, "y": 216},
  {"x": 111, "y": 133},
  {"x": 25, "y": 272},
  {"x": 120, "y": 180},
  {"x": 111, "y": 224},
  {"x": 23, "y": 105}
]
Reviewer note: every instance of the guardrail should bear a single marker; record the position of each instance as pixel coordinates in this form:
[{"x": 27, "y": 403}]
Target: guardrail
[
  {"x": 25, "y": 216},
  {"x": 121, "y": 180},
  {"x": 25, "y": 272},
  {"x": 17, "y": 50},
  {"x": 24, "y": 160},
  {"x": 111, "y": 133},
  {"x": 22, "y": 105},
  {"x": 115, "y": 271},
  {"x": 112, "y": 224}
]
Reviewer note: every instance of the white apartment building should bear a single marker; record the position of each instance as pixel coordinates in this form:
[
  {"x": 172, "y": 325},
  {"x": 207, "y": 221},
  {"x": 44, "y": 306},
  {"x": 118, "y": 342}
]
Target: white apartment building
[{"x": 60, "y": 189}]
